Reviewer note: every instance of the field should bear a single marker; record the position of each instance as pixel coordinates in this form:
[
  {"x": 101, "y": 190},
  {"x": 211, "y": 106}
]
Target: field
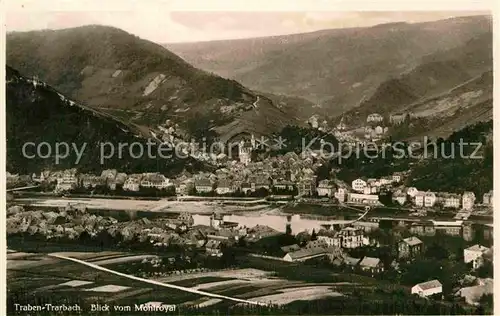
[
  {"x": 35, "y": 278},
  {"x": 45, "y": 277}
]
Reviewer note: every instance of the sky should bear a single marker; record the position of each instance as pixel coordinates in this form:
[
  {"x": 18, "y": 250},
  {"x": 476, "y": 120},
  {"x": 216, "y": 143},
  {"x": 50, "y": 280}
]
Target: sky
[{"x": 172, "y": 21}]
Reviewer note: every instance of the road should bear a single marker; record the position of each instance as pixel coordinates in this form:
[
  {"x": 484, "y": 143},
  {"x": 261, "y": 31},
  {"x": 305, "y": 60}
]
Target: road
[
  {"x": 255, "y": 103},
  {"x": 157, "y": 283},
  {"x": 22, "y": 188}
]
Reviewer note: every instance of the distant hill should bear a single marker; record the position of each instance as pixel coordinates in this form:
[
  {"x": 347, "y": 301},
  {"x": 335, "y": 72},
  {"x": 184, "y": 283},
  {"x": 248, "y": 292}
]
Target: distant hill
[
  {"x": 137, "y": 80},
  {"x": 459, "y": 174},
  {"x": 341, "y": 68},
  {"x": 450, "y": 89},
  {"x": 35, "y": 112}
]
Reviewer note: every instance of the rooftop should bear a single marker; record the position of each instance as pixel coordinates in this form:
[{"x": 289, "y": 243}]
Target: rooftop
[
  {"x": 478, "y": 248},
  {"x": 369, "y": 262},
  {"x": 304, "y": 253},
  {"x": 429, "y": 284},
  {"x": 412, "y": 241}
]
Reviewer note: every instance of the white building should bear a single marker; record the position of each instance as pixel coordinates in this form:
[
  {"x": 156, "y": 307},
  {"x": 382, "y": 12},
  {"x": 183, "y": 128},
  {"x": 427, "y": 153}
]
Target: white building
[
  {"x": 224, "y": 187},
  {"x": 427, "y": 288},
  {"x": 488, "y": 198},
  {"x": 374, "y": 117},
  {"x": 419, "y": 199},
  {"x": 468, "y": 200},
  {"x": 67, "y": 181},
  {"x": 155, "y": 180},
  {"x": 397, "y": 177},
  {"x": 399, "y": 197},
  {"x": 363, "y": 198},
  {"x": 131, "y": 184},
  {"x": 330, "y": 241},
  {"x": 450, "y": 200},
  {"x": 358, "y": 185},
  {"x": 326, "y": 188},
  {"x": 245, "y": 152},
  {"x": 429, "y": 199},
  {"x": 341, "y": 195},
  {"x": 475, "y": 254},
  {"x": 351, "y": 237},
  {"x": 412, "y": 191}
]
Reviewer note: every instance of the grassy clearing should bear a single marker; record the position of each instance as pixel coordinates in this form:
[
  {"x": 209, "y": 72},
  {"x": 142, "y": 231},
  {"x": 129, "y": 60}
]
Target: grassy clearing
[
  {"x": 302, "y": 272},
  {"x": 198, "y": 281}
]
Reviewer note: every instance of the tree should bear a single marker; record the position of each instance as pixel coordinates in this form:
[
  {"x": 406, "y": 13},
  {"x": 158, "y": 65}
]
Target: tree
[
  {"x": 314, "y": 236},
  {"x": 437, "y": 252}
]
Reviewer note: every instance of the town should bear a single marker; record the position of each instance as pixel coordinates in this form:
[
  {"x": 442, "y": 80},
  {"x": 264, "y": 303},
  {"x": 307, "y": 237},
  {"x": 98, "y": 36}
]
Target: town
[{"x": 386, "y": 230}]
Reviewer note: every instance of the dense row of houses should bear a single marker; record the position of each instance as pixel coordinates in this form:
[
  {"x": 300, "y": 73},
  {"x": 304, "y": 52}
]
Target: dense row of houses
[{"x": 424, "y": 199}]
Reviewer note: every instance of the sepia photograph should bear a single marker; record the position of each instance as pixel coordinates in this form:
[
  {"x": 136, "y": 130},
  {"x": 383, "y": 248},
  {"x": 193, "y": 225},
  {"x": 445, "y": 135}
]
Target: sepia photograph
[{"x": 164, "y": 161}]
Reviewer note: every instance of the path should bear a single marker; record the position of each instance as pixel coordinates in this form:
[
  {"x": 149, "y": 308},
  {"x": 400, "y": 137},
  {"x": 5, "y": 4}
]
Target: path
[
  {"x": 22, "y": 188},
  {"x": 255, "y": 103},
  {"x": 153, "y": 282}
]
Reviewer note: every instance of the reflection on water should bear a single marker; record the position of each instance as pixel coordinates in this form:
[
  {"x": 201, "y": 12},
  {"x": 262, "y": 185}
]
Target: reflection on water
[{"x": 277, "y": 222}]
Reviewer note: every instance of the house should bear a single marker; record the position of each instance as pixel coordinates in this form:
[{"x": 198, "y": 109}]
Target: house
[
  {"x": 326, "y": 188},
  {"x": 216, "y": 220},
  {"x": 313, "y": 121},
  {"x": 374, "y": 117},
  {"x": 203, "y": 185},
  {"x": 330, "y": 241},
  {"x": 370, "y": 189},
  {"x": 350, "y": 237},
  {"x": 260, "y": 181},
  {"x": 341, "y": 195},
  {"x": 412, "y": 191},
  {"x": 183, "y": 187},
  {"x": 429, "y": 199},
  {"x": 427, "y": 288},
  {"x": 155, "y": 180},
  {"x": 399, "y": 197},
  {"x": 488, "y": 198},
  {"x": 397, "y": 118},
  {"x": 397, "y": 176},
  {"x": 316, "y": 244},
  {"x": 290, "y": 248},
  {"x": 67, "y": 181},
  {"x": 225, "y": 187},
  {"x": 468, "y": 199},
  {"x": 341, "y": 126},
  {"x": 305, "y": 254},
  {"x": 363, "y": 198},
  {"x": 372, "y": 265},
  {"x": 91, "y": 181},
  {"x": 284, "y": 185},
  {"x": 449, "y": 200},
  {"x": 358, "y": 185},
  {"x": 350, "y": 262},
  {"x": 420, "y": 199},
  {"x": 246, "y": 187},
  {"x": 131, "y": 184},
  {"x": 410, "y": 247},
  {"x": 245, "y": 152},
  {"x": 186, "y": 218},
  {"x": 307, "y": 187},
  {"x": 473, "y": 294},
  {"x": 475, "y": 254},
  {"x": 213, "y": 248}
]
